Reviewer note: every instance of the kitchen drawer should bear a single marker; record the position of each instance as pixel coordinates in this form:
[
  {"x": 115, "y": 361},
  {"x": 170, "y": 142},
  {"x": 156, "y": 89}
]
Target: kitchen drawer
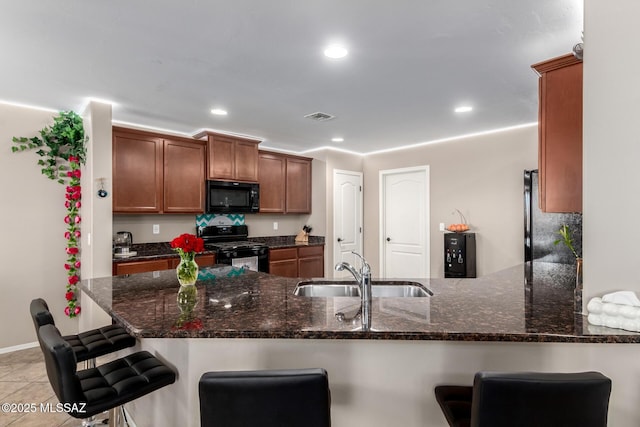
[
  {"x": 310, "y": 251},
  {"x": 141, "y": 266},
  {"x": 283, "y": 254}
]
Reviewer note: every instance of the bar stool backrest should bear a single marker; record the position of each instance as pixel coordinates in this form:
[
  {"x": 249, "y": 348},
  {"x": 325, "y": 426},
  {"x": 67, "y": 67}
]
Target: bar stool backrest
[{"x": 61, "y": 364}]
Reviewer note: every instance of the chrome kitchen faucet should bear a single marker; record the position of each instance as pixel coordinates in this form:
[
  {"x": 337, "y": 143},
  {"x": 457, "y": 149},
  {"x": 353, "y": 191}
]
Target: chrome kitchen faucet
[{"x": 364, "y": 282}]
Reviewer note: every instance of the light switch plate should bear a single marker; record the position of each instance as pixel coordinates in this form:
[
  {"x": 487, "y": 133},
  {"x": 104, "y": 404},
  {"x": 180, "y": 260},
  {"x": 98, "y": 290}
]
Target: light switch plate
[
  {"x": 156, "y": 228},
  {"x": 442, "y": 226},
  {"x": 275, "y": 225}
]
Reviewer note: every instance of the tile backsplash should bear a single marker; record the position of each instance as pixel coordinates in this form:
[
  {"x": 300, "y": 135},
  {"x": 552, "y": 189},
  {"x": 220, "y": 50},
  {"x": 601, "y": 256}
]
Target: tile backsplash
[{"x": 204, "y": 220}]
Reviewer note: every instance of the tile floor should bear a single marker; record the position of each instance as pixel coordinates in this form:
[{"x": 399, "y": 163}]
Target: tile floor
[{"x": 23, "y": 379}]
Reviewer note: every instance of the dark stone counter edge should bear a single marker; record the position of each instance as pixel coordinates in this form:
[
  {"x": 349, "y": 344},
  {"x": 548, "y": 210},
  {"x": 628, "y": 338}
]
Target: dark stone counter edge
[
  {"x": 383, "y": 335},
  {"x": 271, "y": 242}
]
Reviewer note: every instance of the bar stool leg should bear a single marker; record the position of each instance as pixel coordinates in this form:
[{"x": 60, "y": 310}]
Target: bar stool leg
[
  {"x": 89, "y": 422},
  {"x": 116, "y": 417}
]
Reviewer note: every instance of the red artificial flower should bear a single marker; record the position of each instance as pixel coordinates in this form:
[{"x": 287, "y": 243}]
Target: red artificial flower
[
  {"x": 67, "y": 219},
  {"x": 77, "y": 233},
  {"x": 67, "y": 235},
  {"x": 67, "y": 310},
  {"x": 77, "y": 219},
  {"x": 76, "y": 173},
  {"x": 73, "y": 279},
  {"x": 77, "y": 310},
  {"x": 78, "y": 205},
  {"x": 72, "y": 251},
  {"x": 73, "y": 159},
  {"x": 188, "y": 243},
  {"x": 67, "y": 267},
  {"x": 69, "y": 296},
  {"x": 67, "y": 204},
  {"x": 77, "y": 264}
]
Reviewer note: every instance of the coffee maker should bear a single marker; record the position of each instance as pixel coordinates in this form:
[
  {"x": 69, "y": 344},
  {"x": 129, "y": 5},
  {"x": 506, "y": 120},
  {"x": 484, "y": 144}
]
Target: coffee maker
[{"x": 122, "y": 242}]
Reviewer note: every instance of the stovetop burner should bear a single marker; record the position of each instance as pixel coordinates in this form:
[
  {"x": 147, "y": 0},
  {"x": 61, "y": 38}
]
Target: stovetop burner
[
  {"x": 232, "y": 246},
  {"x": 228, "y": 238}
]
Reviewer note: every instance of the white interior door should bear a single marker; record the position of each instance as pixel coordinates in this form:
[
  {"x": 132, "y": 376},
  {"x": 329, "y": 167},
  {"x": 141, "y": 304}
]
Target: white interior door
[
  {"x": 347, "y": 218},
  {"x": 404, "y": 223}
]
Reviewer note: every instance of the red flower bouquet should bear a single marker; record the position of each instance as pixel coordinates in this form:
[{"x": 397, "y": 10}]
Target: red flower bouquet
[{"x": 187, "y": 245}]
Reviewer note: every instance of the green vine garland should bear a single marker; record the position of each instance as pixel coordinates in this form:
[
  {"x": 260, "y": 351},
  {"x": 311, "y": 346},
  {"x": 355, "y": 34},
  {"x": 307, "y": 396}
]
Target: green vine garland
[{"x": 62, "y": 148}]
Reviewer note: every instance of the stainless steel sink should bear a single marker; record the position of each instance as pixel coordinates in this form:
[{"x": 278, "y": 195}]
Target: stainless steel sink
[
  {"x": 379, "y": 289},
  {"x": 308, "y": 289}
]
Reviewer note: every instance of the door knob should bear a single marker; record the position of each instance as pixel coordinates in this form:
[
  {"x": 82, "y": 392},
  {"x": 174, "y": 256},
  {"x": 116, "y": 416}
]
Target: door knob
[
  {"x": 339, "y": 240},
  {"x": 388, "y": 239}
]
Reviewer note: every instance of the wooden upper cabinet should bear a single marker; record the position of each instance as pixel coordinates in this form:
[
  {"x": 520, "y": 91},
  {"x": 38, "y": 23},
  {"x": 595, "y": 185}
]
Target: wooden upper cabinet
[
  {"x": 137, "y": 172},
  {"x": 298, "y": 185},
  {"x": 155, "y": 173},
  {"x": 560, "y": 134},
  {"x": 231, "y": 158},
  {"x": 184, "y": 181},
  {"x": 272, "y": 178},
  {"x": 246, "y": 160},
  {"x": 285, "y": 183}
]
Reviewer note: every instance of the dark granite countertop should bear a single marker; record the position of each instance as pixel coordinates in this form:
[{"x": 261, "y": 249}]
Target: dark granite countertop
[
  {"x": 234, "y": 303},
  {"x": 151, "y": 251},
  {"x": 278, "y": 242}
]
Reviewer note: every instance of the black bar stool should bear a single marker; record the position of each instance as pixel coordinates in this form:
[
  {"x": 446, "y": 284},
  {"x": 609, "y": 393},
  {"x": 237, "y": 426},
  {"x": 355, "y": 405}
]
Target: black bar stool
[
  {"x": 86, "y": 345},
  {"x": 528, "y": 399},
  {"x": 92, "y": 391},
  {"x": 269, "y": 398}
]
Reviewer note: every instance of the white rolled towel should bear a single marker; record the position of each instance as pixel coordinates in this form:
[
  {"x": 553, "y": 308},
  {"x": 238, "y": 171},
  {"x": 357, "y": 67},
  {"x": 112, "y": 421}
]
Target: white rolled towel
[
  {"x": 595, "y": 305},
  {"x": 622, "y": 298},
  {"x": 614, "y": 315}
]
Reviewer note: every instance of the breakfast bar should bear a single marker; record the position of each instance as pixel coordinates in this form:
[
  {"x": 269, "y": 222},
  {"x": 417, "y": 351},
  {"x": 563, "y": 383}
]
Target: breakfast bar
[{"x": 522, "y": 318}]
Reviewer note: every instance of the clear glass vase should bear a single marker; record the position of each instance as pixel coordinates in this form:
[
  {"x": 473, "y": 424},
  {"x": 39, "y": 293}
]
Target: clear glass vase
[{"x": 187, "y": 270}]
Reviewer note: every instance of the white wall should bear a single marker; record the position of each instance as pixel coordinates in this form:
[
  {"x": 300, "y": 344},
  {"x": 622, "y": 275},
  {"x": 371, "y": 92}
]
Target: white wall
[
  {"x": 482, "y": 176},
  {"x": 611, "y": 146},
  {"x": 31, "y": 214},
  {"x": 379, "y": 383}
]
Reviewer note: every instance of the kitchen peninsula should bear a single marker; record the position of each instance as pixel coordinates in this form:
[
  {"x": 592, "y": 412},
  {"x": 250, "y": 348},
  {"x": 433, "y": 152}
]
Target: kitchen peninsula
[{"x": 249, "y": 320}]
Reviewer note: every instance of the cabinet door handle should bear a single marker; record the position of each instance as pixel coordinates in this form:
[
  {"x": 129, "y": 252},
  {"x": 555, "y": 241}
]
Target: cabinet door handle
[
  {"x": 388, "y": 239},
  {"x": 339, "y": 240}
]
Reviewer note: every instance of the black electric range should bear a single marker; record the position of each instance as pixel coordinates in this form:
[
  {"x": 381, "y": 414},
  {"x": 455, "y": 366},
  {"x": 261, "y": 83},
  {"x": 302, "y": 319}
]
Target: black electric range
[{"x": 231, "y": 246}]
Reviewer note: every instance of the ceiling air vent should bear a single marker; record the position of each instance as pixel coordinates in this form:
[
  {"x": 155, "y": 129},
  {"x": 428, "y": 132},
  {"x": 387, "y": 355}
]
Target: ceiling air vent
[{"x": 320, "y": 117}]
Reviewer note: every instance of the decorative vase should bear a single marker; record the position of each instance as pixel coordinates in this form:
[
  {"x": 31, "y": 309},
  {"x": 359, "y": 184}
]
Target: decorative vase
[
  {"x": 577, "y": 293},
  {"x": 187, "y": 270}
]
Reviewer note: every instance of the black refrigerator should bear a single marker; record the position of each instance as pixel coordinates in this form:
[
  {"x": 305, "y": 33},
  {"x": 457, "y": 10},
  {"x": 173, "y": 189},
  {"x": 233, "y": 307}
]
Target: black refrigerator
[{"x": 541, "y": 228}]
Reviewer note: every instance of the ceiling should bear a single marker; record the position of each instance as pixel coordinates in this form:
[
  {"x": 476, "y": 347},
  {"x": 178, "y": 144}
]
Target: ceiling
[{"x": 166, "y": 64}]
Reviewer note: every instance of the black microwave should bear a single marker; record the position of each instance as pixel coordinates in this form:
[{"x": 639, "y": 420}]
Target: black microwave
[{"x": 232, "y": 197}]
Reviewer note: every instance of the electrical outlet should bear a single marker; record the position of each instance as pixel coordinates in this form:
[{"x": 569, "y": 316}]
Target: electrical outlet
[
  {"x": 275, "y": 225},
  {"x": 442, "y": 226},
  {"x": 156, "y": 228}
]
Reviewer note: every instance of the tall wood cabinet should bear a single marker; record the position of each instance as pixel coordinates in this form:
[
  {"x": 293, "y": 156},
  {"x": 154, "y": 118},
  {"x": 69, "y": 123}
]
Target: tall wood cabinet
[
  {"x": 231, "y": 158},
  {"x": 560, "y": 134},
  {"x": 285, "y": 183},
  {"x": 155, "y": 173}
]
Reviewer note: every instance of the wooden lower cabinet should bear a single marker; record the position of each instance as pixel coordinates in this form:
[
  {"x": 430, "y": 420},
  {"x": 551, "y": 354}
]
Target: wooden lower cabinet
[
  {"x": 283, "y": 262},
  {"x": 158, "y": 264},
  {"x": 311, "y": 261},
  {"x": 307, "y": 261}
]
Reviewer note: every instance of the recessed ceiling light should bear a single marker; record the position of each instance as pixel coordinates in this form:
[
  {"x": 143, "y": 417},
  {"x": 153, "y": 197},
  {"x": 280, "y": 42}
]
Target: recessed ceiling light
[
  {"x": 463, "y": 109},
  {"x": 336, "y": 51},
  {"x": 219, "y": 112},
  {"x": 337, "y": 139}
]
